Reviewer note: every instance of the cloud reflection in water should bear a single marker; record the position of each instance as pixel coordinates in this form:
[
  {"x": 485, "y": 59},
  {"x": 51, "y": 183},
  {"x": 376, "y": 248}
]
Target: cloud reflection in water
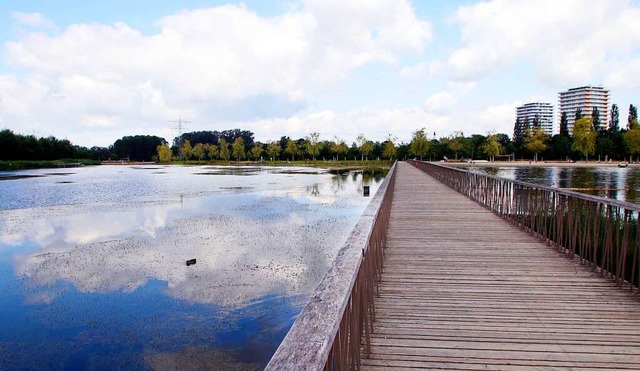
[{"x": 258, "y": 253}]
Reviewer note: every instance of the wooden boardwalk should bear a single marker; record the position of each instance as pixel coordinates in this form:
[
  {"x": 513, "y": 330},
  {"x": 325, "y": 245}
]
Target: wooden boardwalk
[{"x": 464, "y": 289}]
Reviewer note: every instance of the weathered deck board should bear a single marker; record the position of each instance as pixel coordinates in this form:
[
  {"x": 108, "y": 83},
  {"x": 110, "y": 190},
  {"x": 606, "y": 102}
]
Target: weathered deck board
[{"x": 464, "y": 289}]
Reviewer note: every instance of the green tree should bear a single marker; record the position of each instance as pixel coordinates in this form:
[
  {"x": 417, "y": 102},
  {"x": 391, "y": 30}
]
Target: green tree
[
  {"x": 164, "y": 153},
  {"x": 561, "y": 146},
  {"x": 492, "y": 147},
  {"x": 211, "y": 150},
  {"x": 389, "y": 149},
  {"x": 614, "y": 125},
  {"x": 366, "y": 149},
  {"x": 273, "y": 150},
  {"x": 257, "y": 151},
  {"x": 564, "y": 124},
  {"x": 632, "y": 139},
  {"x": 339, "y": 147},
  {"x": 536, "y": 141},
  {"x": 584, "y": 137},
  {"x": 291, "y": 149},
  {"x": 579, "y": 114},
  {"x": 361, "y": 141},
  {"x": 225, "y": 154},
  {"x": 198, "y": 151},
  {"x": 135, "y": 148},
  {"x": 454, "y": 143},
  {"x": 518, "y": 130},
  {"x": 595, "y": 119},
  {"x": 633, "y": 115},
  {"x": 238, "y": 149},
  {"x": 314, "y": 146},
  {"x": 185, "y": 151},
  {"x": 419, "y": 145}
]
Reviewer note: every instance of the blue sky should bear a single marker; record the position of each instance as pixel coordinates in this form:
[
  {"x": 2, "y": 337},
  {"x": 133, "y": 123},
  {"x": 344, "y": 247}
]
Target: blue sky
[{"x": 94, "y": 72}]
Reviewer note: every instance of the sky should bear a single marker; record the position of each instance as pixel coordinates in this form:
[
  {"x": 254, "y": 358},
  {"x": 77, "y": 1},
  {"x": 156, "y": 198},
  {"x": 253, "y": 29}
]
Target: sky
[{"x": 93, "y": 72}]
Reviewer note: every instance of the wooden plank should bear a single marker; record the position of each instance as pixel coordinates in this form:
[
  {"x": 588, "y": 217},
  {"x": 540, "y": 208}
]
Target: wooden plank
[{"x": 464, "y": 289}]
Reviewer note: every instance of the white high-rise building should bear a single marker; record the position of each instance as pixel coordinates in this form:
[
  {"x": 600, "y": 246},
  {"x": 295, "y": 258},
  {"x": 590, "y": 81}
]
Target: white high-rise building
[
  {"x": 585, "y": 98},
  {"x": 530, "y": 113}
]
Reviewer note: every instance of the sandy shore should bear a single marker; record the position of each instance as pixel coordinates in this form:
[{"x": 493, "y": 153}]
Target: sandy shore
[{"x": 538, "y": 164}]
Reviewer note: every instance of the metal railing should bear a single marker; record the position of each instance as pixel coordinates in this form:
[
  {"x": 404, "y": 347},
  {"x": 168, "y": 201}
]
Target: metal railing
[
  {"x": 600, "y": 232},
  {"x": 334, "y": 326}
]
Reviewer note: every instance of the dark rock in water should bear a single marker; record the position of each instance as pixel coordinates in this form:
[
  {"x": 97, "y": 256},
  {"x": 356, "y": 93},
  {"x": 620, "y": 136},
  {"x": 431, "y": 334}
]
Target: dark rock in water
[{"x": 191, "y": 262}]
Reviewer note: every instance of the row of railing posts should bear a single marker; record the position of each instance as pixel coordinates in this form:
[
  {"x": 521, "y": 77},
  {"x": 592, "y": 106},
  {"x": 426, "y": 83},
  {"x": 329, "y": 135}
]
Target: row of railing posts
[
  {"x": 599, "y": 232},
  {"x": 333, "y": 329}
]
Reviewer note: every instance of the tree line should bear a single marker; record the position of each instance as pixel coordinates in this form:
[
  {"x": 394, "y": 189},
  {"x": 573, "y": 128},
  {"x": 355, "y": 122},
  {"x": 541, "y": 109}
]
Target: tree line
[
  {"x": 587, "y": 138},
  {"x": 206, "y": 146}
]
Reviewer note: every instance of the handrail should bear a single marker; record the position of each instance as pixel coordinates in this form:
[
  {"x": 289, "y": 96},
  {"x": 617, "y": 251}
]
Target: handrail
[
  {"x": 600, "y": 232},
  {"x": 328, "y": 332}
]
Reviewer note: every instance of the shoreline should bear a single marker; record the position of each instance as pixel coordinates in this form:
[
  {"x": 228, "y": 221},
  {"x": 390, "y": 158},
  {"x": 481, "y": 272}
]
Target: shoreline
[{"x": 539, "y": 164}]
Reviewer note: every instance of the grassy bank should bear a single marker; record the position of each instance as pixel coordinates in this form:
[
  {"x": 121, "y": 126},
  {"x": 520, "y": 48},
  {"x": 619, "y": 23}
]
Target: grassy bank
[
  {"x": 23, "y": 164},
  {"x": 332, "y": 165}
]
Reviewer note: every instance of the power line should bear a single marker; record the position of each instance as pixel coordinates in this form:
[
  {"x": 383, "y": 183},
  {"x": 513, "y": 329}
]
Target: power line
[{"x": 180, "y": 125}]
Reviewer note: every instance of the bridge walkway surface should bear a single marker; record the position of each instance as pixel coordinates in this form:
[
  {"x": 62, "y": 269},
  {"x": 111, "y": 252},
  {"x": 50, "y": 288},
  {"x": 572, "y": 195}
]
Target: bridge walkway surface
[{"x": 464, "y": 289}]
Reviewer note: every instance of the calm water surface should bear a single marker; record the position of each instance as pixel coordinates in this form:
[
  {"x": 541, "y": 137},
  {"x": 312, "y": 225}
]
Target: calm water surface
[
  {"x": 93, "y": 273},
  {"x": 612, "y": 182}
]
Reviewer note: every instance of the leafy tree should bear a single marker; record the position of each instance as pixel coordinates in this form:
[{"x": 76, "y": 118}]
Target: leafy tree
[
  {"x": 579, "y": 114},
  {"x": 633, "y": 115},
  {"x": 505, "y": 142},
  {"x": 211, "y": 150},
  {"x": 455, "y": 144},
  {"x": 584, "y": 137},
  {"x": 475, "y": 143},
  {"x": 291, "y": 149},
  {"x": 536, "y": 121},
  {"x": 225, "y": 154},
  {"x": 614, "y": 125},
  {"x": 632, "y": 139},
  {"x": 339, "y": 147},
  {"x": 198, "y": 151},
  {"x": 366, "y": 148},
  {"x": 389, "y": 148},
  {"x": 561, "y": 146},
  {"x": 186, "y": 150},
  {"x": 273, "y": 149},
  {"x": 361, "y": 141},
  {"x": 136, "y": 148},
  {"x": 213, "y": 137},
  {"x": 238, "y": 149},
  {"x": 257, "y": 151},
  {"x": 419, "y": 145},
  {"x": 492, "y": 147},
  {"x": 518, "y": 130},
  {"x": 536, "y": 141},
  {"x": 164, "y": 153},
  {"x": 564, "y": 124},
  {"x": 313, "y": 144},
  {"x": 595, "y": 119},
  {"x": 28, "y": 147}
]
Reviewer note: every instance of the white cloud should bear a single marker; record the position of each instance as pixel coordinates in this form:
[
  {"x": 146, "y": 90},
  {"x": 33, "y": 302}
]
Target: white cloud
[
  {"x": 415, "y": 71},
  {"x": 375, "y": 124},
  {"x": 440, "y": 101},
  {"x": 498, "y": 118},
  {"x": 568, "y": 42},
  {"x": 115, "y": 77},
  {"x": 32, "y": 20}
]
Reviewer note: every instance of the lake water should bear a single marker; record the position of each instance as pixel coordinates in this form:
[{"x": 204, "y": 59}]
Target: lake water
[
  {"x": 93, "y": 270},
  {"x": 612, "y": 182}
]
